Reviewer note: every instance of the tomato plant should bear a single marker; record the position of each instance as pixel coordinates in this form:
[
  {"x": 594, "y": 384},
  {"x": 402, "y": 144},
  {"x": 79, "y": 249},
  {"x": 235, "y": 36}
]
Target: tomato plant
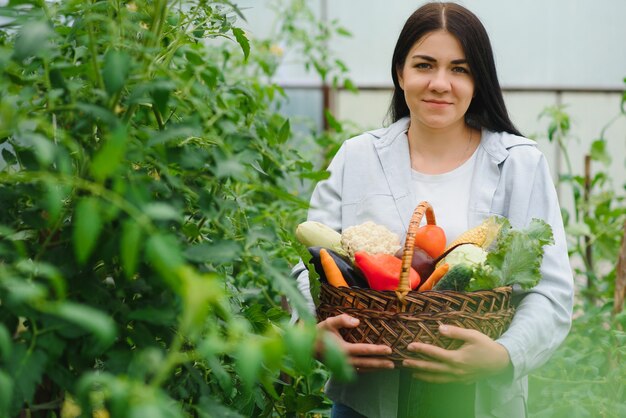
[
  {"x": 149, "y": 190},
  {"x": 586, "y": 375}
]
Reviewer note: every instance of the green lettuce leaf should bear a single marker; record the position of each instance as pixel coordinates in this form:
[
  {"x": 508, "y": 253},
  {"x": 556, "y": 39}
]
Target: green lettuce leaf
[{"x": 515, "y": 258}]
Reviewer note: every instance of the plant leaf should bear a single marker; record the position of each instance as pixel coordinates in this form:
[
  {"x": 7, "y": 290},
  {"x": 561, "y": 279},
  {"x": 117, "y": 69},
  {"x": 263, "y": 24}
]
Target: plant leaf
[
  {"x": 161, "y": 211},
  {"x": 5, "y": 343},
  {"x": 219, "y": 252},
  {"x": 283, "y": 133},
  {"x": 163, "y": 252},
  {"x": 109, "y": 157},
  {"x": 249, "y": 358},
  {"x": 32, "y": 39},
  {"x": 27, "y": 367},
  {"x": 8, "y": 157},
  {"x": 539, "y": 230},
  {"x": 332, "y": 122},
  {"x": 241, "y": 38},
  {"x": 87, "y": 228},
  {"x": 6, "y": 393},
  {"x": 600, "y": 153},
  {"x": 130, "y": 245},
  {"x": 88, "y": 318},
  {"x": 115, "y": 70},
  {"x": 516, "y": 258},
  {"x": 299, "y": 341},
  {"x": 336, "y": 359}
]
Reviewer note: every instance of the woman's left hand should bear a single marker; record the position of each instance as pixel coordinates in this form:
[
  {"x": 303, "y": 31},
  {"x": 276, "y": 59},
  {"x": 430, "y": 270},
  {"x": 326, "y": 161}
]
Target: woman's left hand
[{"x": 478, "y": 357}]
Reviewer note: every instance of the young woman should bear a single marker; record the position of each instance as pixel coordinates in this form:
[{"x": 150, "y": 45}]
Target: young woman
[{"x": 451, "y": 143}]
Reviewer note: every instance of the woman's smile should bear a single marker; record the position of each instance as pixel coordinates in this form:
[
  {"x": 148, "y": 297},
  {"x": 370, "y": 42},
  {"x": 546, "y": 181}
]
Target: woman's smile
[{"x": 437, "y": 103}]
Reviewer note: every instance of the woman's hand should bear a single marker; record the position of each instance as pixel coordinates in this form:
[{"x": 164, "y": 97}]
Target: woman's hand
[
  {"x": 478, "y": 357},
  {"x": 361, "y": 356}
]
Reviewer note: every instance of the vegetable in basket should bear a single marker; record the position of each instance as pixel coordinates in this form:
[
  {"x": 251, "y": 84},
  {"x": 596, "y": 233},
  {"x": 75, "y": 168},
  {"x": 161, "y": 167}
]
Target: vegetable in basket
[
  {"x": 432, "y": 239},
  {"x": 332, "y": 272},
  {"x": 457, "y": 278},
  {"x": 482, "y": 235},
  {"x": 369, "y": 237},
  {"x": 469, "y": 254},
  {"x": 422, "y": 262},
  {"x": 382, "y": 271},
  {"x": 514, "y": 258},
  {"x": 316, "y": 234},
  {"x": 435, "y": 277},
  {"x": 351, "y": 275}
]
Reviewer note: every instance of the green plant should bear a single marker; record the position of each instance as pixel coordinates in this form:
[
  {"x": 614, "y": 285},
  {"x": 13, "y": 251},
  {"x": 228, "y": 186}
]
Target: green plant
[
  {"x": 308, "y": 38},
  {"x": 585, "y": 377},
  {"x": 594, "y": 228},
  {"x": 149, "y": 194}
]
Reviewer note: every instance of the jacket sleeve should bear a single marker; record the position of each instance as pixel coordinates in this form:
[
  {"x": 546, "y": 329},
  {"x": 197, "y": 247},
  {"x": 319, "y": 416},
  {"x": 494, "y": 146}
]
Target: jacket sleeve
[
  {"x": 543, "y": 316},
  {"x": 325, "y": 207}
]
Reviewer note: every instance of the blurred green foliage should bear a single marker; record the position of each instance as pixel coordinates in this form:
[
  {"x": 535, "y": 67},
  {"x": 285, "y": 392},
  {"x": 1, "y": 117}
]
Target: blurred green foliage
[
  {"x": 149, "y": 189},
  {"x": 586, "y": 377}
]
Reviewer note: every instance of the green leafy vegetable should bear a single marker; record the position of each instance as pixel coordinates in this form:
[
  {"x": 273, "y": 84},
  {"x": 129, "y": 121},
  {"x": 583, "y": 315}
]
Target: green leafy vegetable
[{"x": 515, "y": 258}]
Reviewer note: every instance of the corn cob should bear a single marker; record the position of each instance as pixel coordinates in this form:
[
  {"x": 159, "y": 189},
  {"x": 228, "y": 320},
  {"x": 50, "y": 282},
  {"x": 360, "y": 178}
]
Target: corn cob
[{"x": 482, "y": 235}]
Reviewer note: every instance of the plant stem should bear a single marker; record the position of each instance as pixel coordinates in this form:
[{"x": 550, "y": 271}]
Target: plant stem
[
  {"x": 157, "y": 20},
  {"x": 156, "y": 30},
  {"x": 180, "y": 40},
  {"x": 611, "y": 122},
  {"x": 93, "y": 51},
  {"x": 158, "y": 118},
  {"x": 46, "y": 78},
  {"x": 52, "y": 233},
  {"x": 620, "y": 277},
  {"x": 173, "y": 358}
]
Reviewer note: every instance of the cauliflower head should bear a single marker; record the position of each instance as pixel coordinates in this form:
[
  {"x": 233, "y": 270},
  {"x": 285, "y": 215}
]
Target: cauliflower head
[
  {"x": 468, "y": 254},
  {"x": 369, "y": 237}
]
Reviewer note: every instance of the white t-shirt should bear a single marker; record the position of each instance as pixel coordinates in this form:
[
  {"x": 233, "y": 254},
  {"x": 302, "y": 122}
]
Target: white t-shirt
[{"x": 448, "y": 194}]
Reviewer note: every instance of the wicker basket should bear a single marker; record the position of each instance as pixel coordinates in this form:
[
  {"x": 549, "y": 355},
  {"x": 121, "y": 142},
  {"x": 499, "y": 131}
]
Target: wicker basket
[{"x": 404, "y": 316}]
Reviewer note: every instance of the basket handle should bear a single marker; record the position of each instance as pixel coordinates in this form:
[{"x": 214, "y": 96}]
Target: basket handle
[{"x": 409, "y": 246}]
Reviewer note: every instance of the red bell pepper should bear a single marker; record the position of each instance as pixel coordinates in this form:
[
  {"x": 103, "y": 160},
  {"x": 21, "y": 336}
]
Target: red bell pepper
[{"x": 382, "y": 271}]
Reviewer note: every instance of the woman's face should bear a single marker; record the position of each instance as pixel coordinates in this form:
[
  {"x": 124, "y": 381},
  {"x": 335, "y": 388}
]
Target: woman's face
[{"x": 436, "y": 80}]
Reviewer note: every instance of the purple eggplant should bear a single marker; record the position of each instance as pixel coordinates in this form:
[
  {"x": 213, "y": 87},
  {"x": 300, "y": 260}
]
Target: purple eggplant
[
  {"x": 351, "y": 274},
  {"x": 421, "y": 262}
]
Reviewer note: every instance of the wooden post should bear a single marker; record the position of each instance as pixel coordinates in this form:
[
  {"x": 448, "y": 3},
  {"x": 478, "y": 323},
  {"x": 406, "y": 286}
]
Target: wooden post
[
  {"x": 620, "y": 276},
  {"x": 591, "y": 286},
  {"x": 326, "y": 105},
  {"x": 326, "y": 91}
]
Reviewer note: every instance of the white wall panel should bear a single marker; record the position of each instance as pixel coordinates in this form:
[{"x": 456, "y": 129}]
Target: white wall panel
[
  {"x": 537, "y": 43},
  {"x": 368, "y": 109}
]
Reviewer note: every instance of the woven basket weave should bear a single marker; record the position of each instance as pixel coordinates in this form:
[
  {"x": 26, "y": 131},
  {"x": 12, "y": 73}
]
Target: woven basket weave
[{"x": 398, "y": 318}]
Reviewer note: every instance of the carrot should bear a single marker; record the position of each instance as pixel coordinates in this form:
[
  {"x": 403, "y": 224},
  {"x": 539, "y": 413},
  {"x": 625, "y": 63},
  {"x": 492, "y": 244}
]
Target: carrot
[
  {"x": 435, "y": 276},
  {"x": 332, "y": 272}
]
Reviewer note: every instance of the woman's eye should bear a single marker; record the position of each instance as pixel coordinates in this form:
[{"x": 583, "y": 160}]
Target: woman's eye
[
  {"x": 460, "y": 70},
  {"x": 422, "y": 65}
]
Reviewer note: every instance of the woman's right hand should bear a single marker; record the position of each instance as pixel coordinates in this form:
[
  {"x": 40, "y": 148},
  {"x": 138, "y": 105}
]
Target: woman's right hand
[{"x": 361, "y": 356}]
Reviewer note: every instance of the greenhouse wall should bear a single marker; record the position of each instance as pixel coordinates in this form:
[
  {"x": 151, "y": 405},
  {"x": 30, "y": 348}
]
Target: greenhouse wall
[{"x": 560, "y": 52}]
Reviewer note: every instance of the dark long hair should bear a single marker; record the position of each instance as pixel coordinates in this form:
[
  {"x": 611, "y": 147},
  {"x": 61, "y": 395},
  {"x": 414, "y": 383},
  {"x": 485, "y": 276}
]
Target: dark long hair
[{"x": 487, "y": 109}]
